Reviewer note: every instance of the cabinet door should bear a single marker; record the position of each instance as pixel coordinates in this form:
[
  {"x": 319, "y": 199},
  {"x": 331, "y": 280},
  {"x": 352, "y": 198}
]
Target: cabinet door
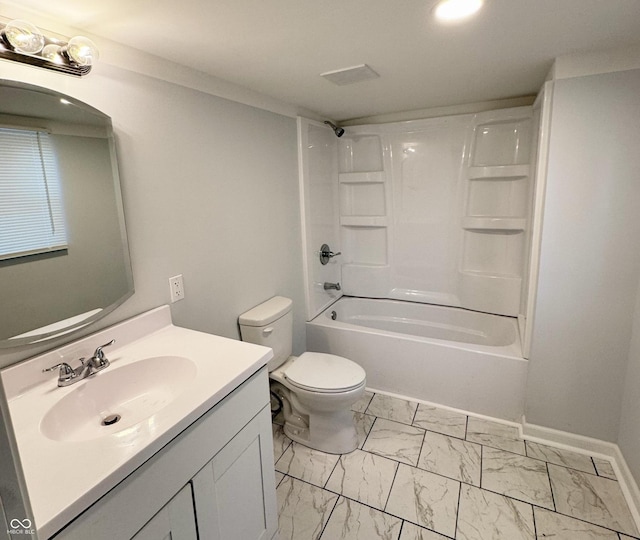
[
  {"x": 176, "y": 520},
  {"x": 235, "y": 492}
]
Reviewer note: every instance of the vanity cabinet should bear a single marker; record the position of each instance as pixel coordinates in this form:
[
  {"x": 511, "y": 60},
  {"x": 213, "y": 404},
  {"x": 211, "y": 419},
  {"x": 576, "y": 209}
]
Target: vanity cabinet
[
  {"x": 229, "y": 491},
  {"x": 214, "y": 481}
]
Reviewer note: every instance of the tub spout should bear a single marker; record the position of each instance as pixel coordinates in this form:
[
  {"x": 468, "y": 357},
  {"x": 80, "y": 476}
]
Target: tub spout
[{"x": 328, "y": 286}]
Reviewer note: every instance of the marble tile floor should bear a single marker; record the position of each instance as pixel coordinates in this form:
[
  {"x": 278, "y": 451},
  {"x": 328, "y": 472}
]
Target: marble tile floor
[{"x": 425, "y": 473}]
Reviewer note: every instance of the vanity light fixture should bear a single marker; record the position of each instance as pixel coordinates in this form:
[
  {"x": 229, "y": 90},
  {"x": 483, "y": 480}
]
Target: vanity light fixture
[
  {"x": 453, "y": 11},
  {"x": 21, "y": 41}
]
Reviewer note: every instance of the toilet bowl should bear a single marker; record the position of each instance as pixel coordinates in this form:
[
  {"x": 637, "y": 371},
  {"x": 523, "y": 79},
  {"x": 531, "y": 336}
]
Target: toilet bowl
[{"x": 317, "y": 390}]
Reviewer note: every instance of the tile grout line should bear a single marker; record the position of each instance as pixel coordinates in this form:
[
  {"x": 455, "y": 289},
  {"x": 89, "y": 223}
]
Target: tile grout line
[
  {"x": 369, "y": 433},
  {"x": 283, "y": 453},
  {"x": 424, "y": 436},
  {"x": 324, "y": 486},
  {"x": 328, "y": 519},
  {"x": 395, "y": 473},
  {"x": 455, "y": 528},
  {"x": 535, "y": 526},
  {"x": 367, "y": 407},
  {"x": 481, "y": 463},
  {"x": 415, "y": 413},
  {"x": 553, "y": 498}
]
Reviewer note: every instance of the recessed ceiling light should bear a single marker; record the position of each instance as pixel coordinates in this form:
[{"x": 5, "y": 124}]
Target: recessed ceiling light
[{"x": 449, "y": 11}]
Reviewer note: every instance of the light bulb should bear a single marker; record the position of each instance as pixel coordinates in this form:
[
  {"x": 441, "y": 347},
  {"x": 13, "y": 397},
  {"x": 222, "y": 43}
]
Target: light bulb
[
  {"x": 81, "y": 50},
  {"x": 23, "y": 37},
  {"x": 449, "y": 11},
  {"x": 52, "y": 53}
]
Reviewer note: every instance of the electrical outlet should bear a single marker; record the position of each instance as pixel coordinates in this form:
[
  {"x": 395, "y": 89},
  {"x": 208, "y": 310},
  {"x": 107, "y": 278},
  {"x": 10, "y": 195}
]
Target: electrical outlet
[{"x": 176, "y": 286}]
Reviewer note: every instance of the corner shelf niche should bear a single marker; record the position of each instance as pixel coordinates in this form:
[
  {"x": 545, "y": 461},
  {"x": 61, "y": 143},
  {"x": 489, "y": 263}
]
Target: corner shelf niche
[
  {"x": 363, "y": 209},
  {"x": 495, "y": 218}
]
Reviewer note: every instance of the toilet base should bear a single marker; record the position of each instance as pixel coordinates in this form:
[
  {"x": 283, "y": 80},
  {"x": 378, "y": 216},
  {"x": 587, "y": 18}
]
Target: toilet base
[
  {"x": 332, "y": 433},
  {"x": 321, "y": 422}
]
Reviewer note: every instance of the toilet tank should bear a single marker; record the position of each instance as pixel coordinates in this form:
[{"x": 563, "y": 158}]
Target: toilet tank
[{"x": 270, "y": 324}]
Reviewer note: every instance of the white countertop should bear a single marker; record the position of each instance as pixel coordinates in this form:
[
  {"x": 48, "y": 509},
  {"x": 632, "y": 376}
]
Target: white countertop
[{"x": 65, "y": 477}]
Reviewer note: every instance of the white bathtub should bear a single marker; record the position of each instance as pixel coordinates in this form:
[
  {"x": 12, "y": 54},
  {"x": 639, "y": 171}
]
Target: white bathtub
[{"x": 454, "y": 357}]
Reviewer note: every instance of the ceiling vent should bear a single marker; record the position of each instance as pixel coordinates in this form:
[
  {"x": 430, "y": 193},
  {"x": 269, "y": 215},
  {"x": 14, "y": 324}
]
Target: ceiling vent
[{"x": 350, "y": 75}]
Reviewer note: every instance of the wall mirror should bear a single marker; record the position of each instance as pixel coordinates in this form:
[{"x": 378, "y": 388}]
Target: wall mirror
[{"x": 64, "y": 258}]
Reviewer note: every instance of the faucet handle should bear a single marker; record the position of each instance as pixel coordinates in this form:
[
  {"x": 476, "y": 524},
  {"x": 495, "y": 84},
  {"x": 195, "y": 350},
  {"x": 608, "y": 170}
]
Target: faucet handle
[
  {"x": 99, "y": 354},
  {"x": 66, "y": 371}
]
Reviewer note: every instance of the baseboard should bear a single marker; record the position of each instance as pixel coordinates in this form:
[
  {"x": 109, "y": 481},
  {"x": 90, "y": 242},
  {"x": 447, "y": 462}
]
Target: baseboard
[{"x": 593, "y": 447}]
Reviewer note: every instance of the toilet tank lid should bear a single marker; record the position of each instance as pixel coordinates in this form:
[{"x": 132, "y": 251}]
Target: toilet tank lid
[{"x": 267, "y": 312}]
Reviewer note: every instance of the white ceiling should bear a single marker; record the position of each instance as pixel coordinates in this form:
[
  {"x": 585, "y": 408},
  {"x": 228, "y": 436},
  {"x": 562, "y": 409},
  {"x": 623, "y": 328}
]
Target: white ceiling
[{"x": 280, "y": 47}]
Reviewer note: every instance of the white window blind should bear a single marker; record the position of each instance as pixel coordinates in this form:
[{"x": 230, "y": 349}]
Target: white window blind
[{"x": 31, "y": 210}]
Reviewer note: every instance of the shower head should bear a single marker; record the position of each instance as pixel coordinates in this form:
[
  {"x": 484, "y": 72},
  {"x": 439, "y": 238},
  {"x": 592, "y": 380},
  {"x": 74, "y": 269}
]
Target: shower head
[{"x": 337, "y": 130}]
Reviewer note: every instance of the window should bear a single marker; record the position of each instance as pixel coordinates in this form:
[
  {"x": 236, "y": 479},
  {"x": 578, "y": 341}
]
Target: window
[{"x": 31, "y": 210}]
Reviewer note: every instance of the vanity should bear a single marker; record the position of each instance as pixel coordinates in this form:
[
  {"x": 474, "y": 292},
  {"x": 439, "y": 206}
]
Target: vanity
[{"x": 173, "y": 439}]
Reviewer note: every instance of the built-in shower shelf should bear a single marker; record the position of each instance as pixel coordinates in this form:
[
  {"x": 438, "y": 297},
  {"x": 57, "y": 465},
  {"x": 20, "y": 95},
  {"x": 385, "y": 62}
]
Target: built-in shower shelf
[
  {"x": 363, "y": 221},
  {"x": 499, "y": 172},
  {"x": 491, "y": 275},
  {"x": 375, "y": 177},
  {"x": 486, "y": 223}
]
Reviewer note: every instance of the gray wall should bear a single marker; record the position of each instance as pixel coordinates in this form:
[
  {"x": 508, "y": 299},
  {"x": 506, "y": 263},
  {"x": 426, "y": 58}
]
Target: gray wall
[
  {"x": 210, "y": 191},
  {"x": 629, "y": 440},
  {"x": 590, "y": 261}
]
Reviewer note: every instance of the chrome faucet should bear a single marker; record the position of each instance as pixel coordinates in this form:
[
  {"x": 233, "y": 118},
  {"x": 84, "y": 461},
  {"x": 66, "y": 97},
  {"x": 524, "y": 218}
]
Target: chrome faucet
[
  {"x": 329, "y": 286},
  {"x": 68, "y": 375}
]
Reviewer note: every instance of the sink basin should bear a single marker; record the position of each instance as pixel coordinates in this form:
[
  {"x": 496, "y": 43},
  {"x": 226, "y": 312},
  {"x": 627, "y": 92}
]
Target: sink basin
[{"x": 118, "y": 398}]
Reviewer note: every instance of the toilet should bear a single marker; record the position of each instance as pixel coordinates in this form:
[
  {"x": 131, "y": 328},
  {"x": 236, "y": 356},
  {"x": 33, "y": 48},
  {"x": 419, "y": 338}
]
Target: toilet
[{"x": 317, "y": 390}]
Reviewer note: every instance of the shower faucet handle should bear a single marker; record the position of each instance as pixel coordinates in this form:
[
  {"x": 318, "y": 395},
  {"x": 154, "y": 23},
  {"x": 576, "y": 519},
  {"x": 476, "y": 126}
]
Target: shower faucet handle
[{"x": 326, "y": 254}]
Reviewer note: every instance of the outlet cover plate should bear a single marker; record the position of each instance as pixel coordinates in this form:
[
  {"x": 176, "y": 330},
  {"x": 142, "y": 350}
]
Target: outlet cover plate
[{"x": 176, "y": 287}]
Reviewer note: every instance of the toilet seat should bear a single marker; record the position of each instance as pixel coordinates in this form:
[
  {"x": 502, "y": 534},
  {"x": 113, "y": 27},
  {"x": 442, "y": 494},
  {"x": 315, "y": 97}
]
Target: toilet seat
[{"x": 324, "y": 373}]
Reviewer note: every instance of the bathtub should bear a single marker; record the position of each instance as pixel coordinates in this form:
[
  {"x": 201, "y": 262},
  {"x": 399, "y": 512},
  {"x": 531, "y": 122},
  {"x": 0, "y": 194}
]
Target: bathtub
[{"x": 449, "y": 356}]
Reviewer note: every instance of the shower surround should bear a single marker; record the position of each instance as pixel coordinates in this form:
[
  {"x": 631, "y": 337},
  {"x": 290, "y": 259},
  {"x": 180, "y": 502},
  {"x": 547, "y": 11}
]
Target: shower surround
[{"x": 435, "y": 211}]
